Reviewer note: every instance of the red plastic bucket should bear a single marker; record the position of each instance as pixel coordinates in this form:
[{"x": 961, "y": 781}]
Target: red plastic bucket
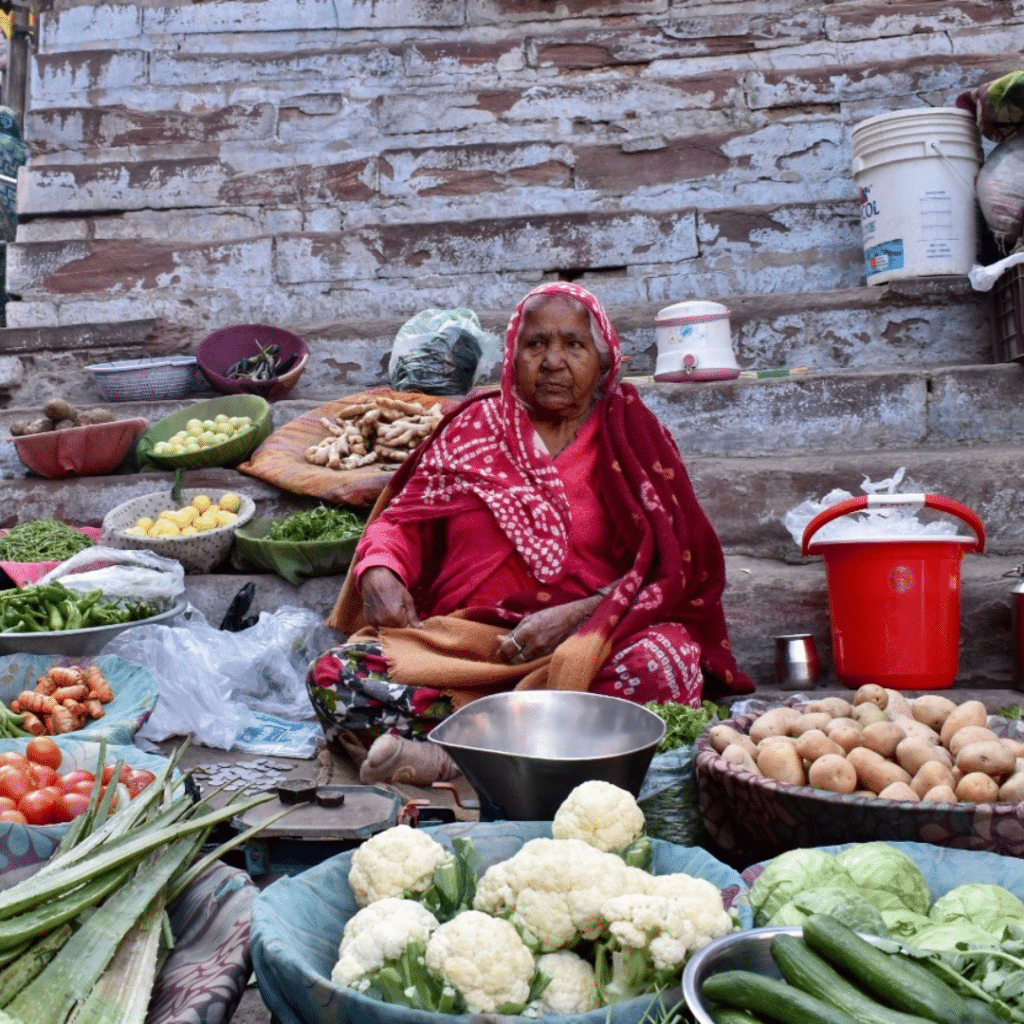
[{"x": 895, "y": 602}]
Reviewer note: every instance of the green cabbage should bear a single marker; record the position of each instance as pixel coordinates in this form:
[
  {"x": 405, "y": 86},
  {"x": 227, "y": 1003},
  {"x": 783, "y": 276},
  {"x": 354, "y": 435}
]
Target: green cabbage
[
  {"x": 989, "y": 906},
  {"x": 886, "y": 876},
  {"x": 789, "y": 874},
  {"x": 903, "y": 923},
  {"x": 948, "y": 934},
  {"x": 837, "y": 900}
]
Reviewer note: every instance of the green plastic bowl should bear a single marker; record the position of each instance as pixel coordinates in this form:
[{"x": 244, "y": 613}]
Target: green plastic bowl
[
  {"x": 295, "y": 561},
  {"x": 230, "y": 453}
]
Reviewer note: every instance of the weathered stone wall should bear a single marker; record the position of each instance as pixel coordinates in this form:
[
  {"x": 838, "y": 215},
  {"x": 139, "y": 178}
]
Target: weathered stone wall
[{"x": 314, "y": 161}]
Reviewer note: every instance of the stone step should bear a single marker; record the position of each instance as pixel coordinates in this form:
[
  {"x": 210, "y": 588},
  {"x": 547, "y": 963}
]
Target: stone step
[{"x": 915, "y": 323}]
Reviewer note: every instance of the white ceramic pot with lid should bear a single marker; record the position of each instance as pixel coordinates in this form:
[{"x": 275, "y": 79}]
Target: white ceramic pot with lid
[{"x": 694, "y": 343}]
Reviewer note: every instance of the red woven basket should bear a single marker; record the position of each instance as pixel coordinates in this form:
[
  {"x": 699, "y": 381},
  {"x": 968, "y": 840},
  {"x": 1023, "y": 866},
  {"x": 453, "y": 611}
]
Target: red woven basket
[{"x": 230, "y": 344}]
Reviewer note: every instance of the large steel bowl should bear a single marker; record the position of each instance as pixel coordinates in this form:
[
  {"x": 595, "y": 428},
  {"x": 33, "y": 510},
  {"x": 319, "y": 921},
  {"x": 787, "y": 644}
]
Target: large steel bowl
[{"x": 524, "y": 752}]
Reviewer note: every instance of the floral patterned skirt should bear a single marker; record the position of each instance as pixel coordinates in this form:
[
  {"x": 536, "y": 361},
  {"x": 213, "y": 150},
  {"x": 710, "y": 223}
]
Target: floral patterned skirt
[{"x": 352, "y": 695}]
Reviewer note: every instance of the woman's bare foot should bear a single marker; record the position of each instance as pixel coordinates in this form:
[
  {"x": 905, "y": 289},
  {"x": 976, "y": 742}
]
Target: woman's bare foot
[{"x": 411, "y": 762}]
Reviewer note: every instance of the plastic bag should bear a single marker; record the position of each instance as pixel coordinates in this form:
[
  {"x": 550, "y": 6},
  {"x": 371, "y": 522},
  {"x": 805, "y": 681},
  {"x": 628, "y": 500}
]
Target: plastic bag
[
  {"x": 124, "y": 575},
  {"x": 872, "y": 523},
  {"x": 442, "y": 352},
  {"x": 669, "y": 798},
  {"x": 1000, "y": 191},
  {"x": 213, "y": 683}
]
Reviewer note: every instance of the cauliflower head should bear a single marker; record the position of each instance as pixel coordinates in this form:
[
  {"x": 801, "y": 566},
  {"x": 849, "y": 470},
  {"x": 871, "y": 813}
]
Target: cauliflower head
[
  {"x": 600, "y": 814},
  {"x": 399, "y": 861},
  {"x": 379, "y": 934},
  {"x": 554, "y": 890},
  {"x": 484, "y": 959},
  {"x": 701, "y": 901},
  {"x": 573, "y": 986}
]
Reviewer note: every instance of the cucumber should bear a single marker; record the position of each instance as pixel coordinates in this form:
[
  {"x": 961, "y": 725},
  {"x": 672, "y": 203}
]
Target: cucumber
[
  {"x": 769, "y": 997},
  {"x": 806, "y": 970},
  {"x": 883, "y": 975},
  {"x": 725, "y": 1015}
]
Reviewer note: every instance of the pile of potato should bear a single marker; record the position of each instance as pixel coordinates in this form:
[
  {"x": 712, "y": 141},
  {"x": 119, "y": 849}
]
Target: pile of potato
[
  {"x": 882, "y": 744},
  {"x": 60, "y": 415}
]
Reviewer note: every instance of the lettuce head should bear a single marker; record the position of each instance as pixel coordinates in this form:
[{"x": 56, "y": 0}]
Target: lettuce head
[
  {"x": 981, "y": 903},
  {"x": 838, "y": 900},
  {"x": 904, "y": 924},
  {"x": 791, "y": 873},
  {"x": 886, "y": 876},
  {"x": 947, "y": 935}
]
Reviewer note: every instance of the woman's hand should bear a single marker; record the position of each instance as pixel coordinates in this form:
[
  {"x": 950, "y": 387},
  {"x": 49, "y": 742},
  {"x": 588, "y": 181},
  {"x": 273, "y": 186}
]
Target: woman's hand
[
  {"x": 386, "y": 601},
  {"x": 540, "y": 633}
]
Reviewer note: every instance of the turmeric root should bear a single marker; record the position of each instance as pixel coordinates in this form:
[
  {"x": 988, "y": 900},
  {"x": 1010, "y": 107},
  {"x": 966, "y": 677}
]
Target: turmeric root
[
  {"x": 99, "y": 687},
  {"x": 37, "y": 703},
  {"x": 60, "y": 720},
  {"x": 31, "y": 723},
  {"x": 66, "y": 675},
  {"x": 77, "y": 692}
]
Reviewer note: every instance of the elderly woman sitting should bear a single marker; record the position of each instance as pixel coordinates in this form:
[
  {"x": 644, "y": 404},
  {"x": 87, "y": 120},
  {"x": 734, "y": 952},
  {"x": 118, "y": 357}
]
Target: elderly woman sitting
[{"x": 545, "y": 536}]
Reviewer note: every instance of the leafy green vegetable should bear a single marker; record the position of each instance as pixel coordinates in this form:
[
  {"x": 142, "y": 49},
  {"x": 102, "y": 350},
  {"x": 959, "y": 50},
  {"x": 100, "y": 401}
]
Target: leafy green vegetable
[
  {"x": 903, "y": 923},
  {"x": 981, "y": 903},
  {"x": 886, "y": 876},
  {"x": 320, "y": 523},
  {"x": 791, "y": 873},
  {"x": 838, "y": 900},
  {"x": 683, "y": 723}
]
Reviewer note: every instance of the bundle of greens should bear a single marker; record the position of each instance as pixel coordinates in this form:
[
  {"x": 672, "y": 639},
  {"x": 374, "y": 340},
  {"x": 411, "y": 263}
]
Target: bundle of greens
[
  {"x": 683, "y": 723},
  {"x": 42, "y": 540},
  {"x": 321, "y": 523}
]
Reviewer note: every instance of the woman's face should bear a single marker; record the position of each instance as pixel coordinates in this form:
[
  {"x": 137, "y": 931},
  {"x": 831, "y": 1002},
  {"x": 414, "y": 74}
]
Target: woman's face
[{"x": 558, "y": 366}]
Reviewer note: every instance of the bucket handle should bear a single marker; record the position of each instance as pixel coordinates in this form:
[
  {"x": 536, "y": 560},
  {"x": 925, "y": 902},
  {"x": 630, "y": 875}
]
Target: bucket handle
[
  {"x": 954, "y": 170},
  {"x": 934, "y": 501}
]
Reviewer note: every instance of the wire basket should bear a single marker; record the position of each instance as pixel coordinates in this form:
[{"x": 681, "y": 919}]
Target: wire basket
[
  {"x": 142, "y": 380},
  {"x": 199, "y": 553}
]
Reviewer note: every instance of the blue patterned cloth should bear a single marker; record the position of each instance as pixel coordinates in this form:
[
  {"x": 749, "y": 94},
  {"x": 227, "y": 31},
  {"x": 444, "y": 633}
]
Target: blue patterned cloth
[{"x": 13, "y": 154}]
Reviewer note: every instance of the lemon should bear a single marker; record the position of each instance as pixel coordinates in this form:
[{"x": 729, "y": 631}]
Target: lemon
[
  {"x": 194, "y": 428},
  {"x": 222, "y": 417},
  {"x": 144, "y": 523},
  {"x": 162, "y": 448},
  {"x": 191, "y": 444},
  {"x": 201, "y": 502},
  {"x": 230, "y": 502},
  {"x": 225, "y": 518},
  {"x": 188, "y": 531},
  {"x": 208, "y": 437},
  {"x": 206, "y": 521},
  {"x": 135, "y": 531}
]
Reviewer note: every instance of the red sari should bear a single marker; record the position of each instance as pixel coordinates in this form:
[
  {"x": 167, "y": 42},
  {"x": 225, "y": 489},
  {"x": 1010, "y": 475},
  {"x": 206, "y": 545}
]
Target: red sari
[{"x": 657, "y": 635}]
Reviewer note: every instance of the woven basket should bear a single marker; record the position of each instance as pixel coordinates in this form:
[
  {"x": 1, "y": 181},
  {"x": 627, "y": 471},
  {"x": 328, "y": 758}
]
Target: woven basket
[
  {"x": 141, "y": 380},
  {"x": 227, "y": 346},
  {"x": 198, "y": 554}
]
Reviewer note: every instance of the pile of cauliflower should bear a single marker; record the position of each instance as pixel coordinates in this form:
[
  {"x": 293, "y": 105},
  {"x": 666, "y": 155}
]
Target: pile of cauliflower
[{"x": 566, "y": 925}]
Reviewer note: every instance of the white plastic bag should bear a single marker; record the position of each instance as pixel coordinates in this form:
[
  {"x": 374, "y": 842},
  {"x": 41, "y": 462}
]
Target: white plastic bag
[
  {"x": 214, "y": 682},
  {"x": 442, "y": 352},
  {"x": 122, "y": 575},
  {"x": 872, "y": 523}
]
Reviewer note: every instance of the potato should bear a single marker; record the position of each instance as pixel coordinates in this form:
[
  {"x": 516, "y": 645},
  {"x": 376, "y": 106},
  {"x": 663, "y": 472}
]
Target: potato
[
  {"x": 871, "y": 693},
  {"x": 868, "y": 712},
  {"x": 991, "y": 758},
  {"x": 911, "y": 753},
  {"x": 844, "y": 731},
  {"x": 930, "y": 775},
  {"x": 882, "y": 737},
  {"x": 837, "y": 707},
  {"x": 971, "y": 734},
  {"x": 723, "y": 735},
  {"x": 1012, "y": 790},
  {"x": 896, "y": 705},
  {"x": 941, "y": 795},
  {"x": 58, "y": 409},
  {"x": 977, "y": 788},
  {"x": 814, "y": 744},
  {"x": 97, "y": 415},
  {"x": 775, "y": 722},
  {"x": 971, "y": 712},
  {"x": 781, "y": 762},
  {"x": 874, "y": 772},
  {"x": 912, "y": 727},
  {"x": 769, "y": 741},
  {"x": 1015, "y": 745},
  {"x": 899, "y": 791},
  {"x": 932, "y": 710},
  {"x": 833, "y": 773},
  {"x": 738, "y": 755},
  {"x": 815, "y": 720}
]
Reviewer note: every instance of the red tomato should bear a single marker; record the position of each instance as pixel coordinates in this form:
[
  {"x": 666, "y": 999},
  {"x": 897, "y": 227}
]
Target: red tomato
[
  {"x": 13, "y": 758},
  {"x": 84, "y": 787},
  {"x": 44, "y": 750},
  {"x": 108, "y": 773},
  {"x": 69, "y": 780},
  {"x": 7, "y": 804},
  {"x": 70, "y": 806},
  {"x": 14, "y": 784},
  {"x": 39, "y": 806},
  {"x": 138, "y": 780},
  {"x": 13, "y": 816},
  {"x": 42, "y": 776}
]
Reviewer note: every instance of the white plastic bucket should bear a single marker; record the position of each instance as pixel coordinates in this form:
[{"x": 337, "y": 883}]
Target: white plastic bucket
[
  {"x": 694, "y": 343},
  {"x": 915, "y": 172}
]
